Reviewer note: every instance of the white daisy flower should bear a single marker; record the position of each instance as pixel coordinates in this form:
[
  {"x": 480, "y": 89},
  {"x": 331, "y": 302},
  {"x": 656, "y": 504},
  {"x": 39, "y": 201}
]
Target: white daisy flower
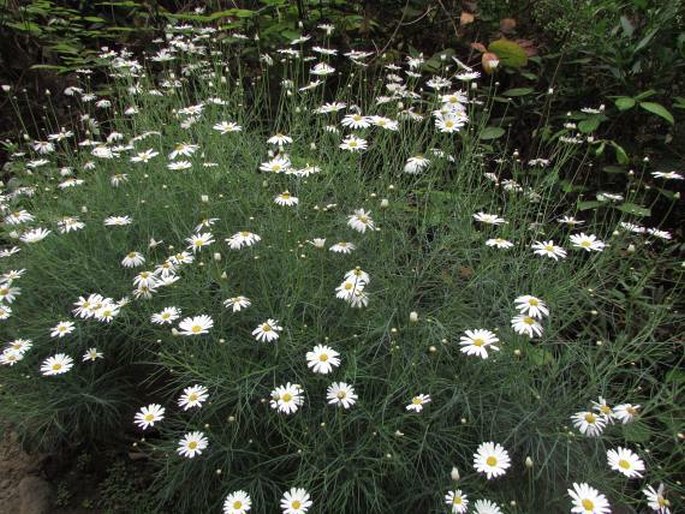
[
  {"x": 526, "y": 325},
  {"x": 549, "y": 249},
  {"x": 195, "y": 326},
  {"x": 148, "y": 416},
  {"x": 626, "y": 412},
  {"x": 418, "y": 401},
  {"x": 587, "y": 500},
  {"x": 532, "y": 306},
  {"x": 626, "y": 462},
  {"x": 491, "y": 459},
  {"x": 132, "y": 260},
  {"x": 295, "y": 501},
  {"x": 193, "y": 443},
  {"x": 193, "y": 396},
  {"x": 268, "y": 331},
  {"x": 57, "y": 365},
  {"x": 237, "y": 502},
  {"x": 477, "y": 342},
  {"x": 656, "y": 499},
  {"x": 361, "y": 220},
  {"x": 237, "y": 303},
  {"x": 62, "y": 329},
  {"x": 341, "y": 394},
  {"x": 457, "y": 501},
  {"x": 287, "y": 399},
  {"x": 242, "y": 239},
  {"x": 322, "y": 359},
  {"x": 589, "y": 423},
  {"x": 587, "y": 242}
]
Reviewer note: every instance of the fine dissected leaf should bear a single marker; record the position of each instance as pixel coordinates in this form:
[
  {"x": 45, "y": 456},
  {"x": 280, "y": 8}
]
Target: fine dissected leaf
[
  {"x": 492, "y": 133},
  {"x": 509, "y": 53},
  {"x": 659, "y": 110}
]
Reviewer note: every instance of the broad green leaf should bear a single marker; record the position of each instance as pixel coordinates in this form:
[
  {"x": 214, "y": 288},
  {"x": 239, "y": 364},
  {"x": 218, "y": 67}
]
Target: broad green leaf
[
  {"x": 624, "y": 103},
  {"x": 492, "y": 133},
  {"x": 590, "y": 124},
  {"x": 518, "y": 91},
  {"x": 659, "y": 110},
  {"x": 645, "y": 94},
  {"x": 586, "y": 206},
  {"x": 621, "y": 155},
  {"x": 632, "y": 208},
  {"x": 509, "y": 53}
]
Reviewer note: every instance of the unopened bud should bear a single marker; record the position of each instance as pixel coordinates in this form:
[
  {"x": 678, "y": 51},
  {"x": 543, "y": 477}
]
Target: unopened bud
[
  {"x": 414, "y": 316},
  {"x": 454, "y": 474},
  {"x": 529, "y": 462}
]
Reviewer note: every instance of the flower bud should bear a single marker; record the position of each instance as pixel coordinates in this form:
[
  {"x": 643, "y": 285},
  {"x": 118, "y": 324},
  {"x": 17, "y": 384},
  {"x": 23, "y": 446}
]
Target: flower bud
[
  {"x": 454, "y": 474},
  {"x": 529, "y": 462},
  {"x": 414, "y": 316}
]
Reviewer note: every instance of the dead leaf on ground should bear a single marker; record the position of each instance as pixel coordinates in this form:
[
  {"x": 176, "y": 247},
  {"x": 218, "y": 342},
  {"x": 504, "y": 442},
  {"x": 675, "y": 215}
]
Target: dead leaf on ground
[{"x": 466, "y": 17}]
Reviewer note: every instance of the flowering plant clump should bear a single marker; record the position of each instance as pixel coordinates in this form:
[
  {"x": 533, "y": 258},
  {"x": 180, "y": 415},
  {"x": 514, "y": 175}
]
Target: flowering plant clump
[{"x": 326, "y": 300}]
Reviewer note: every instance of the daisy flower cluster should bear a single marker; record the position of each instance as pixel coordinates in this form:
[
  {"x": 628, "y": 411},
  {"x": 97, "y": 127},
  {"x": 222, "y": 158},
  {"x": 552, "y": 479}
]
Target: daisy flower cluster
[{"x": 200, "y": 261}]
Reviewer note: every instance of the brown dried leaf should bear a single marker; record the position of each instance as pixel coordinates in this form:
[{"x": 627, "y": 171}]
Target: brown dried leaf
[
  {"x": 479, "y": 46},
  {"x": 507, "y": 25},
  {"x": 466, "y": 17}
]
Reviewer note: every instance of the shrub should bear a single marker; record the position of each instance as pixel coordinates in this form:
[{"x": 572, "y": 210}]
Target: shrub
[{"x": 150, "y": 291}]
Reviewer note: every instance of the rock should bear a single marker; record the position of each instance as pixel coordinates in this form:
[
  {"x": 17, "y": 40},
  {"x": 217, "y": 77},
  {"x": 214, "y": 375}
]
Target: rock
[{"x": 36, "y": 495}]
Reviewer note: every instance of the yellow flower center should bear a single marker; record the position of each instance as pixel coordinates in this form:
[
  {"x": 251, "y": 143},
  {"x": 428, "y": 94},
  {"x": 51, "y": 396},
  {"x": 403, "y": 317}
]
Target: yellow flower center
[
  {"x": 341, "y": 395},
  {"x": 632, "y": 411},
  {"x": 196, "y": 329},
  {"x": 237, "y": 505},
  {"x": 296, "y": 504},
  {"x": 287, "y": 397},
  {"x": 478, "y": 342},
  {"x": 244, "y": 233},
  {"x": 533, "y": 302},
  {"x": 586, "y": 244},
  {"x": 192, "y": 445},
  {"x": 192, "y": 397},
  {"x": 528, "y": 320},
  {"x": 323, "y": 357},
  {"x": 364, "y": 219},
  {"x": 588, "y": 505},
  {"x": 590, "y": 418},
  {"x": 266, "y": 327},
  {"x": 449, "y": 124},
  {"x": 285, "y": 195},
  {"x": 149, "y": 417},
  {"x": 491, "y": 461},
  {"x": 549, "y": 248},
  {"x": 457, "y": 501},
  {"x": 56, "y": 366},
  {"x": 416, "y": 400},
  {"x": 624, "y": 464},
  {"x": 605, "y": 409}
]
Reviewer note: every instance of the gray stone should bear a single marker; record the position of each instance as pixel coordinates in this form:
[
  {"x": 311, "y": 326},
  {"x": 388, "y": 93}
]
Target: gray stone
[{"x": 36, "y": 495}]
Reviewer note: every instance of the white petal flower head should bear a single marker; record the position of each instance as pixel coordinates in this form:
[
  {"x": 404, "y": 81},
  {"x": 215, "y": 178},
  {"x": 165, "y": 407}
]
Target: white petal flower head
[
  {"x": 197, "y": 242},
  {"x": 477, "y": 342},
  {"x": 587, "y": 500},
  {"x": 237, "y": 303},
  {"x": 287, "y": 399},
  {"x": 457, "y": 501},
  {"x": 656, "y": 499},
  {"x": 193, "y": 443},
  {"x": 532, "y": 306},
  {"x": 166, "y": 316},
  {"x": 322, "y": 359},
  {"x": 498, "y": 242},
  {"x": 92, "y": 355},
  {"x": 343, "y": 247},
  {"x": 238, "y": 502},
  {"x": 193, "y": 396},
  {"x": 353, "y": 143},
  {"x": 133, "y": 260},
  {"x": 341, "y": 394},
  {"x": 62, "y": 329},
  {"x": 486, "y": 507},
  {"x": 589, "y": 243},
  {"x": 589, "y": 423},
  {"x": 286, "y": 199},
  {"x": 526, "y": 325},
  {"x": 267, "y": 331},
  {"x": 35, "y": 235},
  {"x": 148, "y": 416},
  {"x": 295, "y": 501},
  {"x": 491, "y": 459},
  {"x": 195, "y": 326},
  {"x": 416, "y": 164},
  {"x": 626, "y": 462},
  {"x": 418, "y": 401},
  {"x": 626, "y": 412},
  {"x": 57, "y": 365},
  {"x": 242, "y": 239},
  {"x": 488, "y": 219},
  {"x": 549, "y": 249},
  {"x": 360, "y": 221}
]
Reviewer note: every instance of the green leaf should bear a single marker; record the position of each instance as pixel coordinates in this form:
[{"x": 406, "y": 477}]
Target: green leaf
[
  {"x": 659, "y": 110},
  {"x": 509, "y": 53},
  {"x": 492, "y": 133},
  {"x": 518, "y": 91},
  {"x": 621, "y": 155},
  {"x": 586, "y": 206},
  {"x": 614, "y": 169},
  {"x": 624, "y": 103},
  {"x": 636, "y": 210},
  {"x": 590, "y": 124}
]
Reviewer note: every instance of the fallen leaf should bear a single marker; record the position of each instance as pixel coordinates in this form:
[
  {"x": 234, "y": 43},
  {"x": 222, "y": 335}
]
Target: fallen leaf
[{"x": 466, "y": 18}]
